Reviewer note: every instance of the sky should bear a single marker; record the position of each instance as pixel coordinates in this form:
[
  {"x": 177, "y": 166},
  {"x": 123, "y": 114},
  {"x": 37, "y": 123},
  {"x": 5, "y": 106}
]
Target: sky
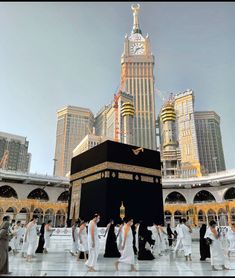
[{"x": 54, "y": 54}]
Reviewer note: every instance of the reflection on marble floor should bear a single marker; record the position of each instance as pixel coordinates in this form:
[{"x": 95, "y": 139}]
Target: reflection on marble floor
[{"x": 59, "y": 262}]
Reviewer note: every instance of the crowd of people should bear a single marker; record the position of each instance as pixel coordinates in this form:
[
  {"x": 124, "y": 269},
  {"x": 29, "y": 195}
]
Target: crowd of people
[
  {"x": 126, "y": 241},
  {"x": 18, "y": 236}
]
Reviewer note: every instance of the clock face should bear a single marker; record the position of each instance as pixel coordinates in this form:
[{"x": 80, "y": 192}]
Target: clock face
[{"x": 137, "y": 48}]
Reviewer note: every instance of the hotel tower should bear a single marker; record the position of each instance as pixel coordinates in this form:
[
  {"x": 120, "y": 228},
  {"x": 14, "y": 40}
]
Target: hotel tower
[{"x": 137, "y": 79}]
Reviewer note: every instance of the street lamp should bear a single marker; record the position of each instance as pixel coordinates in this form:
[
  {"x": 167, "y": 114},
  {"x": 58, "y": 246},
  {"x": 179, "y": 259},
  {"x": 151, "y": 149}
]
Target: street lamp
[{"x": 215, "y": 158}]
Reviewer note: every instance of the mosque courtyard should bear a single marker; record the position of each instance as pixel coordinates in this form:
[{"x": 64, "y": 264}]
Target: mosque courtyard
[{"x": 59, "y": 262}]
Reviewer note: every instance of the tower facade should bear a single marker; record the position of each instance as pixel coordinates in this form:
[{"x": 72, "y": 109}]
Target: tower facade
[
  {"x": 88, "y": 142},
  {"x": 101, "y": 121},
  {"x": 209, "y": 140},
  {"x": 186, "y": 133},
  {"x": 73, "y": 124},
  {"x": 16, "y": 147},
  {"x": 169, "y": 146},
  {"x": 137, "y": 79},
  {"x": 115, "y": 121},
  {"x": 127, "y": 112}
]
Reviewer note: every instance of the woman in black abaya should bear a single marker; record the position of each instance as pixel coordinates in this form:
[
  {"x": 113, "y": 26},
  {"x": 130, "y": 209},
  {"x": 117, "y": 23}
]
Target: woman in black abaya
[
  {"x": 41, "y": 239},
  {"x": 111, "y": 250},
  {"x": 204, "y": 247},
  {"x": 145, "y": 236}
]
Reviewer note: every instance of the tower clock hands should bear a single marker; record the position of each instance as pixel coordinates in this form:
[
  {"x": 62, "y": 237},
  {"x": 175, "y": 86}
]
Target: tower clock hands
[{"x": 137, "y": 48}]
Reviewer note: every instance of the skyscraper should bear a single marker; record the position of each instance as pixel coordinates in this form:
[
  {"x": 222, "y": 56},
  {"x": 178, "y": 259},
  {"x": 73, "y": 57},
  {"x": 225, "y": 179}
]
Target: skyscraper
[
  {"x": 73, "y": 124},
  {"x": 137, "y": 79},
  {"x": 115, "y": 121},
  {"x": 15, "y": 150},
  {"x": 101, "y": 121},
  {"x": 209, "y": 140},
  {"x": 169, "y": 145},
  {"x": 88, "y": 142},
  {"x": 186, "y": 133}
]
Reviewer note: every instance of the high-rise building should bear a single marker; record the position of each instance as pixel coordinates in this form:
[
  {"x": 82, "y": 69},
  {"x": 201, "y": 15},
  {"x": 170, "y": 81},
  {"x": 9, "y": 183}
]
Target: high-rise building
[
  {"x": 209, "y": 141},
  {"x": 88, "y": 142},
  {"x": 186, "y": 134},
  {"x": 137, "y": 79},
  {"x": 115, "y": 121},
  {"x": 127, "y": 115},
  {"x": 73, "y": 124},
  {"x": 14, "y": 152},
  {"x": 101, "y": 121},
  {"x": 169, "y": 145}
]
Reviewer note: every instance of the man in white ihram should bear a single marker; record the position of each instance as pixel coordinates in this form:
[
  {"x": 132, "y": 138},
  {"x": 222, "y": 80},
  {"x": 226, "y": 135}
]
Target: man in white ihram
[
  {"x": 187, "y": 239},
  {"x": 179, "y": 245},
  {"x": 93, "y": 243},
  {"x": 31, "y": 238}
]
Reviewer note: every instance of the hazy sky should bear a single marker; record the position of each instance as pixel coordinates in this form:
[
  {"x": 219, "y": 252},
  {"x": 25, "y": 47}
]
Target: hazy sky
[{"x": 54, "y": 54}]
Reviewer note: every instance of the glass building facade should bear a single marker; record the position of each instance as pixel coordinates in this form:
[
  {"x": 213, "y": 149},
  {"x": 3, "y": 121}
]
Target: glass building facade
[
  {"x": 209, "y": 141},
  {"x": 18, "y": 158},
  {"x": 73, "y": 124}
]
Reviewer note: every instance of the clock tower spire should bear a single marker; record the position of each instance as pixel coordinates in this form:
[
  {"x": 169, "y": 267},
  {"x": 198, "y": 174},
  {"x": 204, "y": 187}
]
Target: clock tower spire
[
  {"x": 136, "y": 28},
  {"x": 137, "y": 77}
]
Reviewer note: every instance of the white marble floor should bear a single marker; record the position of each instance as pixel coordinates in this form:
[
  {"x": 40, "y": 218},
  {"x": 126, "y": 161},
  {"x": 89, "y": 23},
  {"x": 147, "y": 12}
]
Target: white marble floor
[{"x": 59, "y": 262}]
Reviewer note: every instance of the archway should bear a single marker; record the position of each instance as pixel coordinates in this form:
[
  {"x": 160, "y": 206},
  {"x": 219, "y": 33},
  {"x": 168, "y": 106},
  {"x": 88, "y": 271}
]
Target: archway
[
  {"x": 211, "y": 215},
  {"x": 39, "y": 213},
  {"x": 49, "y": 215},
  {"x": 203, "y": 196},
  {"x": 12, "y": 212},
  {"x": 190, "y": 216},
  {"x": 39, "y": 194},
  {"x": 64, "y": 197},
  {"x": 233, "y": 215},
  {"x": 8, "y": 192},
  {"x": 24, "y": 215},
  {"x": 60, "y": 218},
  {"x": 201, "y": 217},
  {"x": 174, "y": 198},
  {"x": 222, "y": 217},
  {"x": 168, "y": 216},
  {"x": 229, "y": 195},
  {"x": 177, "y": 215}
]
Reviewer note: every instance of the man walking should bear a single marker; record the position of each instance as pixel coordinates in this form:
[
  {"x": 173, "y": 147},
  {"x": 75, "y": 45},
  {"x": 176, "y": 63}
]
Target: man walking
[{"x": 93, "y": 243}]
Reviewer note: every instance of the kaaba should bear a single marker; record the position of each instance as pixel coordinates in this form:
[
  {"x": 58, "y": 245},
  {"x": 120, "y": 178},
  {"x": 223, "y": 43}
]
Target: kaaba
[{"x": 116, "y": 180}]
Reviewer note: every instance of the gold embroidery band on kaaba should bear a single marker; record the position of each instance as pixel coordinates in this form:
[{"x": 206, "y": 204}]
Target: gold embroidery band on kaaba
[{"x": 116, "y": 166}]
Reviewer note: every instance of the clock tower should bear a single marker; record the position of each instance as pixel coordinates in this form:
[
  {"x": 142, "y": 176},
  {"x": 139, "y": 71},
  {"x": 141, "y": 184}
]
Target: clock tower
[{"x": 137, "y": 79}]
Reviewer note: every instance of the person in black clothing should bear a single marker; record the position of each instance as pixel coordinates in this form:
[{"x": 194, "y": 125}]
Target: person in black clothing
[
  {"x": 204, "y": 248},
  {"x": 170, "y": 234},
  {"x": 41, "y": 239},
  {"x": 134, "y": 245},
  {"x": 111, "y": 250},
  {"x": 145, "y": 236},
  {"x": 4, "y": 242}
]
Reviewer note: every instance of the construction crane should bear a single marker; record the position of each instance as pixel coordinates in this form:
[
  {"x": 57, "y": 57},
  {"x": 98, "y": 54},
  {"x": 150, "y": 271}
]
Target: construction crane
[
  {"x": 4, "y": 160},
  {"x": 123, "y": 78},
  {"x": 115, "y": 106},
  {"x": 164, "y": 96}
]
